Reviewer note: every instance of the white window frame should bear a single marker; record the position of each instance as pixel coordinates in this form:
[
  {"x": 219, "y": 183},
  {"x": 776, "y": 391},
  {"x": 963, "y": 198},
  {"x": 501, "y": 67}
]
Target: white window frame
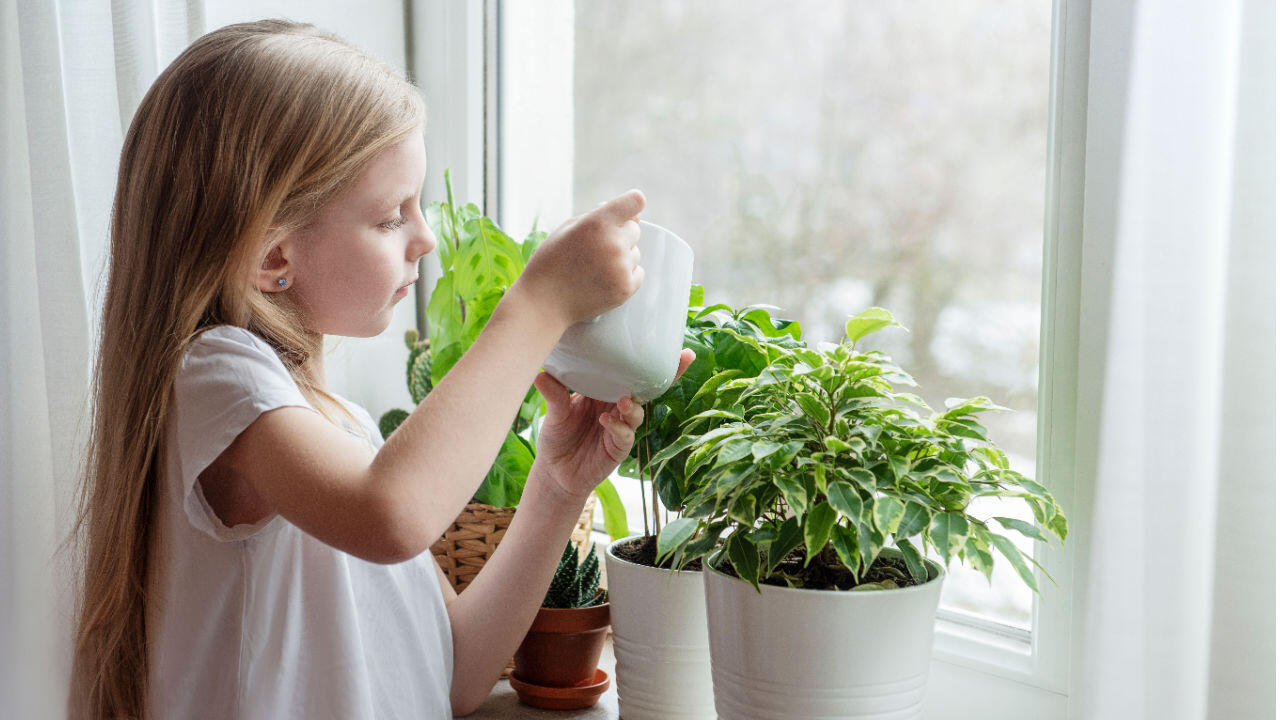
[
  {"x": 980, "y": 669},
  {"x": 445, "y": 45}
]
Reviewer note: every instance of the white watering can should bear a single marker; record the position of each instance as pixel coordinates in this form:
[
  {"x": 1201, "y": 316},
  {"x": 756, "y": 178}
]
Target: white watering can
[{"x": 635, "y": 347}]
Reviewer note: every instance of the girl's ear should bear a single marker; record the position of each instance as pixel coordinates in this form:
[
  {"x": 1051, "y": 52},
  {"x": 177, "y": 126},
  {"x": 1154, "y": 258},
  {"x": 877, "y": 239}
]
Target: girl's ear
[{"x": 275, "y": 267}]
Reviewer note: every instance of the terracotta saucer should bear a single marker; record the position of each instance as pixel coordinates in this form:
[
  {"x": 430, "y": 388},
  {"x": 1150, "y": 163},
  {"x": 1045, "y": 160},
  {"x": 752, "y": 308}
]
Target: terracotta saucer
[{"x": 583, "y": 695}]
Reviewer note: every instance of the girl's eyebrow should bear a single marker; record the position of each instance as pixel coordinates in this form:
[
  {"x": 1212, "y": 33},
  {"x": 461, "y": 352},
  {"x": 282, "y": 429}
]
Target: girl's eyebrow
[{"x": 388, "y": 202}]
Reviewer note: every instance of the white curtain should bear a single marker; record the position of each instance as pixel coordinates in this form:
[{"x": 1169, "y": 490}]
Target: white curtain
[
  {"x": 72, "y": 75},
  {"x": 1179, "y": 586}
]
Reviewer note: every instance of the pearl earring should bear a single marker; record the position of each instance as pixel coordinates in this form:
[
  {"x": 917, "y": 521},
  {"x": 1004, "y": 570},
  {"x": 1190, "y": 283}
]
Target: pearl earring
[{"x": 282, "y": 282}]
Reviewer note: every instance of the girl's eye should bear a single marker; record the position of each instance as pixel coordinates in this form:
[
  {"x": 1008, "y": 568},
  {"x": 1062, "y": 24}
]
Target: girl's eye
[{"x": 392, "y": 224}]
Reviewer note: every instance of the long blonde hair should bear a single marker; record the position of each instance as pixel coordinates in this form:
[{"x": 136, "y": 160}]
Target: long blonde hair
[{"x": 248, "y": 132}]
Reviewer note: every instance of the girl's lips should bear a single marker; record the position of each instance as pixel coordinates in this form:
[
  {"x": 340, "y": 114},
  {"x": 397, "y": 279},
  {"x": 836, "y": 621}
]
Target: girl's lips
[{"x": 404, "y": 289}]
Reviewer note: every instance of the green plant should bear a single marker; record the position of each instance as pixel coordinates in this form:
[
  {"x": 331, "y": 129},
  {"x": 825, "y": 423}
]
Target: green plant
[
  {"x": 479, "y": 263},
  {"x": 722, "y": 340},
  {"x": 817, "y": 457},
  {"x": 575, "y": 585}
]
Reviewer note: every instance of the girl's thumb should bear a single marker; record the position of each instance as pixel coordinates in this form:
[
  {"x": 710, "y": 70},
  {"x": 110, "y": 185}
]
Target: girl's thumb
[{"x": 557, "y": 395}]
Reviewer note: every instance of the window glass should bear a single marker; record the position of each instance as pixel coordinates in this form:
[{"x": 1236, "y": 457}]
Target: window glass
[{"x": 824, "y": 157}]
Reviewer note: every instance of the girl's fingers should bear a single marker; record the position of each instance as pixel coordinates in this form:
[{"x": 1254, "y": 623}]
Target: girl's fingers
[
  {"x": 618, "y": 433},
  {"x": 630, "y": 412},
  {"x": 557, "y": 395}
]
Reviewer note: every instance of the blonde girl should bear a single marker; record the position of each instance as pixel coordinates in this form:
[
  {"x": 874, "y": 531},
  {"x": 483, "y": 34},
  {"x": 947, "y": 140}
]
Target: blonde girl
[{"x": 251, "y": 547}]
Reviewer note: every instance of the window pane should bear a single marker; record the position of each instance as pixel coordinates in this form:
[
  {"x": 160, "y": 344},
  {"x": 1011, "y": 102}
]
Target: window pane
[{"x": 828, "y": 156}]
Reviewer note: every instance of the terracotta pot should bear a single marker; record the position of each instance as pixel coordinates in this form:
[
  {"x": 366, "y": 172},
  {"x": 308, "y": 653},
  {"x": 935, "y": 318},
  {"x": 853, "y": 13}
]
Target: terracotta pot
[
  {"x": 582, "y": 695},
  {"x": 562, "y": 646}
]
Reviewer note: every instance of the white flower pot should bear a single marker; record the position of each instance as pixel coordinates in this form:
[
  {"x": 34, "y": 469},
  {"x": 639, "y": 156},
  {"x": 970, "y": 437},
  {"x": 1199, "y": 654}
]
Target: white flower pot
[
  {"x": 659, "y": 618},
  {"x": 635, "y": 347},
  {"x": 789, "y": 653}
]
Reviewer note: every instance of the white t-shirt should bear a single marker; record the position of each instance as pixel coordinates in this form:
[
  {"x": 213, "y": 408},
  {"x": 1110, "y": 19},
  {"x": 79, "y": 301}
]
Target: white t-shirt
[{"x": 264, "y": 620}]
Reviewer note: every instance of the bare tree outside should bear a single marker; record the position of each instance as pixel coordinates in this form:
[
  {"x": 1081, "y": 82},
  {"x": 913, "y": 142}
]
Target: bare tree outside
[{"x": 824, "y": 156}]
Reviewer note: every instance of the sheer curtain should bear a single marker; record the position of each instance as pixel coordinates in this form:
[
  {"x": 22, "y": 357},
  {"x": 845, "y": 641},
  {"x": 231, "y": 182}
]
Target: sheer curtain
[
  {"x": 72, "y": 75},
  {"x": 1176, "y": 617}
]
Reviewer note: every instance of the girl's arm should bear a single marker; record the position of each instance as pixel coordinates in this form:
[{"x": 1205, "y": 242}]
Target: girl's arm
[
  {"x": 580, "y": 442},
  {"x": 490, "y": 618},
  {"x": 394, "y": 507}
]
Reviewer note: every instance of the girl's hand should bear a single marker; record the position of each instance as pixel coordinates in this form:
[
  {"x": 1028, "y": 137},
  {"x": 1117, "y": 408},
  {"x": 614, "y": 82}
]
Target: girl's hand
[
  {"x": 582, "y": 440},
  {"x": 590, "y": 264}
]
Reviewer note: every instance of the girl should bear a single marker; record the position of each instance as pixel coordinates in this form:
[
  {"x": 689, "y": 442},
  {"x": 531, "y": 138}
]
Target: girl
[{"x": 253, "y": 549}]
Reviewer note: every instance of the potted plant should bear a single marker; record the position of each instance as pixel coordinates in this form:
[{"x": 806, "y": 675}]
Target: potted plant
[
  {"x": 663, "y": 664},
  {"x": 818, "y": 490},
  {"x": 556, "y": 664},
  {"x": 479, "y": 263}
]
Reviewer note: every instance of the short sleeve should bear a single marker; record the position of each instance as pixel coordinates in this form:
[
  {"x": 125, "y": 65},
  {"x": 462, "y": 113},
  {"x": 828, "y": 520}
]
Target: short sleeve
[{"x": 228, "y": 378}]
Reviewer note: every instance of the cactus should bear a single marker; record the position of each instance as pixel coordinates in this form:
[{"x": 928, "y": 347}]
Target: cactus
[
  {"x": 391, "y": 420},
  {"x": 574, "y": 585}
]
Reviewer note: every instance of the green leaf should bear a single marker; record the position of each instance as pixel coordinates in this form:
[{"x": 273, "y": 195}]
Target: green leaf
[
  {"x": 769, "y": 327},
  {"x": 1058, "y": 526},
  {"x": 743, "y": 508},
  {"x": 845, "y": 541},
  {"x": 835, "y": 444},
  {"x": 764, "y": 448},
  {"x": 814, "y": 408},
  {"x": 862, "y": 477},
  {"x": 977, "y": 555},
  {"x": 888, "y": 513},
  {"x": 615, "y": 513},
  {"x": 673, "y": 533},
  {"x": 960, "y": 406},
  {"x": 1014, "y": 556},
  {"x": 504, "y": 483},
  {"x": 868, "y": 321},
  {"x": 1023, "y": 527},
  {"x": 713, "y": 383},
  {"x": 963, "y": 427},
  {"x": 842, "y": 495},
  {"x": 900, "y": 466},
  {"x": 745, "y": 558},
  {"x": 734, "y": 450},
  {"x": 670, "y": 451},
  {"x": 947, "y": 531},
  {"x": 915, "y": 517},
  {"x": 817, "y": 529},
  {"x": 716, "y": 413},
  {"x": 870, "y": 541},
  {"x": 793, "y": 491},
  {"x": 911, "y": 556},
  {"x": 789, "y": 538}
]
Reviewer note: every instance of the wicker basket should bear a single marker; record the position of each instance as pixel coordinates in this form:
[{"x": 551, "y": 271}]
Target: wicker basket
[{"x": 475, "y": 534}]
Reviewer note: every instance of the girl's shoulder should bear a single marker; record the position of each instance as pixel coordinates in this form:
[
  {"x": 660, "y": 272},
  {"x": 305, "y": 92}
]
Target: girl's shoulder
[
  {"x": 219, "y": 336},
  {"x": 226, "y": 362}
]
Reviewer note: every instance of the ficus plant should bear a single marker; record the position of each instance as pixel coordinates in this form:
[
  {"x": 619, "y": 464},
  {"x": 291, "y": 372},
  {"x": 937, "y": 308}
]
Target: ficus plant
[
  {"x": 722, "y": 339},
  {"x": 479, "y": 263},
  {"x": 805, "y": 473}
]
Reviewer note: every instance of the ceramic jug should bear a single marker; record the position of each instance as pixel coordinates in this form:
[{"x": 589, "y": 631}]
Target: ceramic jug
[{"x": 635, "y": 347}]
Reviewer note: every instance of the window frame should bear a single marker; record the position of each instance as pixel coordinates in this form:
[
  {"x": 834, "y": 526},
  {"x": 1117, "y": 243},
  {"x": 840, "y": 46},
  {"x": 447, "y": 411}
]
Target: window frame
[{"x": 460, "y": 55}]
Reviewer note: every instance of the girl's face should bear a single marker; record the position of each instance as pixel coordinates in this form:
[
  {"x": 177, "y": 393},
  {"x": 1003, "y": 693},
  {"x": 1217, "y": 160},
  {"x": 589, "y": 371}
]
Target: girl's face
[{"x": 350, "y": 267}]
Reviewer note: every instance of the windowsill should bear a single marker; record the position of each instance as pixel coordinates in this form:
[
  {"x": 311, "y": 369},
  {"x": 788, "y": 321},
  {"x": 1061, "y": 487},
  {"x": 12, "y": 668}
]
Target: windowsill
[{"x": 503, "y": 703}]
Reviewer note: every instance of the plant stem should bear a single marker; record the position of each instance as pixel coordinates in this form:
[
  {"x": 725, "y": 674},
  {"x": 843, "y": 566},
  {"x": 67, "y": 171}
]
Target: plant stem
[
  {"x": 653, "y": 481},
  {"x": 643, "y": 462}
]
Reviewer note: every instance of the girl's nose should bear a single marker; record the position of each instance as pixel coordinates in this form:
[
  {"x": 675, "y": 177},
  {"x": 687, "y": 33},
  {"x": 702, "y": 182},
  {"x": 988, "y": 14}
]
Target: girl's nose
[{"x": 423, "y": 242}]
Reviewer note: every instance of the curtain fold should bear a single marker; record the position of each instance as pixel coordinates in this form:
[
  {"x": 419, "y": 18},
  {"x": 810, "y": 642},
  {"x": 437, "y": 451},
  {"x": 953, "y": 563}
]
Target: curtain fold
[
  {"x": 71, "y": 77},
  {"x": 1179, "y": 585}
]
